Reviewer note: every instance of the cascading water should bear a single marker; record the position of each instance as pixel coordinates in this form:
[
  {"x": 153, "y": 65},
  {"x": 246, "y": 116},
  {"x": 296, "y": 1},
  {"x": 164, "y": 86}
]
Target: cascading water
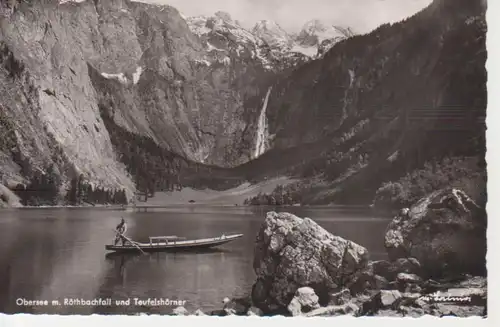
[
  {"x": 352, "y": 78},
  {"x": 262, "y": 130}
]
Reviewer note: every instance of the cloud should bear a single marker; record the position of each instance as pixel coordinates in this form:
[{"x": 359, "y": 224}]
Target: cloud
[{"x": 361, "y": 15}]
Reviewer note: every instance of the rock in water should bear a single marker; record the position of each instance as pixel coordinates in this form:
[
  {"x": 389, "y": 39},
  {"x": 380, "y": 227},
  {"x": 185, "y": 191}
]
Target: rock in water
[
  {"x": 408, "y": 278},
  {"x": 199, "y": 313},
  {"x": 292, "y": 252},
  {"x": 254, "y": 311},
  {"x": 180, "y": 311},
  {"x": 334, "y": 310},
  {"x": 237, "y": 306},
  {"x": 382, "y": 300},
  {"x": 387, "y": 298},
  {"x": 445, "y": 232},
  {"x": 390, "y": 270},
  {"x": 304, "y": 301},
  {"x": 340, "y": 298}
]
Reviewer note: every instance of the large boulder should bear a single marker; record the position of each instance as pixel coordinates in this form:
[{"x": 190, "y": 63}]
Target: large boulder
[
  {"x": 445, "y": 232},
  {"x": 291, "y": 253}
]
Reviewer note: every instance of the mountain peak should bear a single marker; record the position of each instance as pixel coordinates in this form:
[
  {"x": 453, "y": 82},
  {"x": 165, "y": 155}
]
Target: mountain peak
[
  {"x": 314, "y": 25},
  {"x": 224, "y": 16},
  {"x": 316, "y": 32},
  {"x": 272, "y": 33},
  {"x": 266, "y": 24}
]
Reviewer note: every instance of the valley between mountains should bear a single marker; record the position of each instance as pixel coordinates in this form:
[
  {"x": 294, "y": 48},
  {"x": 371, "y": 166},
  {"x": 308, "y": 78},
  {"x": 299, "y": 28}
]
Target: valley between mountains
[{"x": 106, "y": 102}]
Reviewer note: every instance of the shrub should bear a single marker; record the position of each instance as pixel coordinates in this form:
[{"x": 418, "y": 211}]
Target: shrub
[
  {"x": 466, "y": 173},
  {"x": 390, "y": 195}
]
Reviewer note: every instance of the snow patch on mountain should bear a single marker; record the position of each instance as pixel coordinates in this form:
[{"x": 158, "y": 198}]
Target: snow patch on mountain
[
  {"x": 314, "y": 32},
  {"x": 137, "y": 75},
  {"x": 226, "y": 61},
  {"x": 314, "y": 40},
  {"x": 308, "y": 51},
  {"x": 266, "y": 42},
  {"x": 221, "y": 34},
  {"x": 211, "y": 47},
  {"x": 321, "y": 37},
  {"x": 119, "y": 77},
  {"x": 222, "y": 24},
  {"x": 198, "y": 25},
  {"x": 77, "y": 1},
  {"x": 203, "y": 62}
]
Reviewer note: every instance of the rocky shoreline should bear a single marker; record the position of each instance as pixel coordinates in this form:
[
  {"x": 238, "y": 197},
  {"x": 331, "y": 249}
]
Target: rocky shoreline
[
  {"x": 436, "y": 266},
  {"x": 463, "y": 297}
]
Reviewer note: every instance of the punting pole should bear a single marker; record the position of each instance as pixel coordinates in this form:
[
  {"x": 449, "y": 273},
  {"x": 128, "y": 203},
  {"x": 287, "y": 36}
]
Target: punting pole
[{"x": 130, "y": 241}]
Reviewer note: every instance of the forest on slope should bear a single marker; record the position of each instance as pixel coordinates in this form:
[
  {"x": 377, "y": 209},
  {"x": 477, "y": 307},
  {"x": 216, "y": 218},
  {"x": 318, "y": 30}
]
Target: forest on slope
[{"x": 384, "y": 112}]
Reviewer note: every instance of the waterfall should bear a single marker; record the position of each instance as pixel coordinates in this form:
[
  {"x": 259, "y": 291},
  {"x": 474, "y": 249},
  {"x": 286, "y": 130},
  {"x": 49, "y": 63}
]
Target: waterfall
[
  {"x": 262, "y": 130},
  {"x": 352, "y": 78}
]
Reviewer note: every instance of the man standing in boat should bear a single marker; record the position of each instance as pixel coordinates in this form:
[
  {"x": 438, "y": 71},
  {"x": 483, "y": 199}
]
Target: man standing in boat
[{"x": 120, "y": 231}]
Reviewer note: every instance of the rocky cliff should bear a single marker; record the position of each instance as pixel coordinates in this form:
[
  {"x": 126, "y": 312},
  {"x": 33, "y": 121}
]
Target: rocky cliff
[{"x": 72, "y": 69}]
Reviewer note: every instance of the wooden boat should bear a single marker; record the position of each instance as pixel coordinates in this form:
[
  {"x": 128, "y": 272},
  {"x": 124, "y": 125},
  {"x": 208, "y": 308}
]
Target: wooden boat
[{"x": 172, "y": 243}]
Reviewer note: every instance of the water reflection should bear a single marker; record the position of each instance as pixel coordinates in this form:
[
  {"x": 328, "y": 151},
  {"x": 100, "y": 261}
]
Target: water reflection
[{"x": 53, "y": 254}]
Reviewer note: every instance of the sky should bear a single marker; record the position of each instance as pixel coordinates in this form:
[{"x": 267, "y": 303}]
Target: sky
[{"x": 361, "y": 15}]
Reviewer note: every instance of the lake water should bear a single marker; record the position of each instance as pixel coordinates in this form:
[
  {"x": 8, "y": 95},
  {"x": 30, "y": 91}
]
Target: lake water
[{"x": 57, "y": 254}]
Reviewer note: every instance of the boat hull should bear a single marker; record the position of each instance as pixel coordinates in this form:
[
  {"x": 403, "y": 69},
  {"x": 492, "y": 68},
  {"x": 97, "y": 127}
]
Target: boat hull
[{"x": 174, "y": 246}]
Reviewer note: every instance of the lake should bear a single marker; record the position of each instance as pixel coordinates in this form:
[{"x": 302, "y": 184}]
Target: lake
[{"x": 58, "y": 254}]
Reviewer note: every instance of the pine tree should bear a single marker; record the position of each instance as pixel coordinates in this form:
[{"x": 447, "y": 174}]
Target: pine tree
[
  {"x": 80, "y": 190},
  {"x": 51, "y": 185},
  {"x": 90, "y": 194}
]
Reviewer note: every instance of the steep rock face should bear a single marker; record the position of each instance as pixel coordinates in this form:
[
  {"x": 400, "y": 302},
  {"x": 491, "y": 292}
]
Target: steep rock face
[
  {"x": 70, "y": 61},
  {"x": 445, "y": 232},
  {"x": 48, "y": 101},
  {"x": 187, "y": 97},
  {"x": 242, "y": 66},
  {"x": 362, "y": 73},
  {"x": 191, "y": 92},
  {"x": 291, "y": 253}
]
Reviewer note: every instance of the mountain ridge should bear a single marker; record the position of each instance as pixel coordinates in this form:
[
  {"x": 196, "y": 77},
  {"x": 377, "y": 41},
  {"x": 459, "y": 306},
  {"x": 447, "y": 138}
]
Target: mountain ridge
[
  {"x": 385, "y": 103},
  {"x": 123, "y": 96}
]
